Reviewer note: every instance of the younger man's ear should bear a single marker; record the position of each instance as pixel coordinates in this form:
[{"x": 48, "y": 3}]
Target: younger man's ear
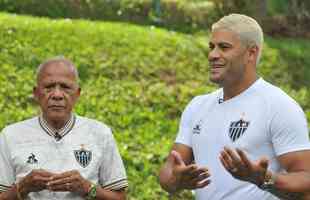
[{"x": 253, "y": 53}]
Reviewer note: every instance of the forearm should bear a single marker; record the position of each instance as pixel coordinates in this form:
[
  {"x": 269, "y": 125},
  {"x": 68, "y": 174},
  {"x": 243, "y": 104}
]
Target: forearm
[
  {"x": 167, "y": 180},
  {"x": 104, "y": 194},
  {"x": 10, "y": 194},
  {"x": 291, "y": 186},
  {"x": 293, "y": 182}
]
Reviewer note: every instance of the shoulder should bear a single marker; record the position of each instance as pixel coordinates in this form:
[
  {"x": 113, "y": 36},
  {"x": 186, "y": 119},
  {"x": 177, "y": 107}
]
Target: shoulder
[
  {"x": 93, "y": 124},
  {"x": 17, "y": 132},
  {"x": 284, "y": 114},
  {"x": 15, "y": 128},
  {"x": 198, "y": 101},
  {"x": 277, "y": 98}
]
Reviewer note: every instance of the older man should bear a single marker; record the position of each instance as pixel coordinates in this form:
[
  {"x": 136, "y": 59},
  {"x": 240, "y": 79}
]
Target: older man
[
  {"x": 58, "y": 154},
  {"x": 248, "y": 139}
]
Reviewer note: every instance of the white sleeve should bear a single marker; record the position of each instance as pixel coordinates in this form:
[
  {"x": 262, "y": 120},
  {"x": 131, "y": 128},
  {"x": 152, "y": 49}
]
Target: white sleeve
[
  {"x": 184, "y": 135},
  {"x": 7, "y": 177},
  {"x": 112, "y": 172},
  {"x": 289, "y": 130}
]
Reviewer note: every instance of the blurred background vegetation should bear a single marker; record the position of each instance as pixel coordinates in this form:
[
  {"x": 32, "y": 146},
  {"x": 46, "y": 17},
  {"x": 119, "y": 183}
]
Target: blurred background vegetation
[
  {"x": 140, "y": 62},
  {"x": 284, "y": 17}
]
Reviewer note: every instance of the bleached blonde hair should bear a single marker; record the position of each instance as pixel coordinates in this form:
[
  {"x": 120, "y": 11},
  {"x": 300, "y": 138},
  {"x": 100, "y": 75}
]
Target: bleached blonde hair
[{"x": 247, "y": 28}]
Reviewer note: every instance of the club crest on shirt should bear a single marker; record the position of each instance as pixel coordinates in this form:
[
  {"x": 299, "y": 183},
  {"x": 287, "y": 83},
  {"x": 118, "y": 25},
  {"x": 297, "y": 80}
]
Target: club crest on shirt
[
  {"x": 32, "y": 159},
  {"x": 238, "y": 128},
  {"x": 197, "y": 127},
  {"x": 83, "y": 156}
]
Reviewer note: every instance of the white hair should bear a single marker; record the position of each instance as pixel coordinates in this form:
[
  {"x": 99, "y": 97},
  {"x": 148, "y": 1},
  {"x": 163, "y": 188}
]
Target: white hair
[
  {"x": 247, "y": 28},
  {"x": 58, "y": 59}
]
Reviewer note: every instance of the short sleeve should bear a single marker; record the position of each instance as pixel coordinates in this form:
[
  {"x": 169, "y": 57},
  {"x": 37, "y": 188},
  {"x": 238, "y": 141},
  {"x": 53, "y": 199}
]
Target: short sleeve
[
  {"x": 184, "y": 135},
  {"x": 112, "y": 170},
  {"x": 289, "y": 130},
  {"x": 7, "y": 177}
]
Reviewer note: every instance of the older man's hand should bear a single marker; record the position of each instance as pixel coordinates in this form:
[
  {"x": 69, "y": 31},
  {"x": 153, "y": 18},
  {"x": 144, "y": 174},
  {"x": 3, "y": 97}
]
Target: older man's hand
[
  {"x": 70, "y": 181},
  {"x": 35, "y": 181}
]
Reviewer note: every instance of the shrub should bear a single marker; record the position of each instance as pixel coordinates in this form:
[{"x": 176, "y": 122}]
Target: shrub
[
  {"x": 289, "y": 18},
  {"x": 176, "y": 14}
]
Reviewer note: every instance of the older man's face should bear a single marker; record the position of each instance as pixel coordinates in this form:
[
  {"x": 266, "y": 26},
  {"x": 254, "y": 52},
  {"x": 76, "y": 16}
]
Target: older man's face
[{"x": 57, "y": 92}]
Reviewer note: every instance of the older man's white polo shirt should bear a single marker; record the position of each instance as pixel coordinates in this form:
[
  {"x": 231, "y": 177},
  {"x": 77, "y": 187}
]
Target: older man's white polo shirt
[{"x": 89, "y": 148}]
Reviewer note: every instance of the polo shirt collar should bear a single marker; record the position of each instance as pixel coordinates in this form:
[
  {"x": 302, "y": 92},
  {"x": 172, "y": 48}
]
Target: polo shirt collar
[{"x": 57, "y": 133}]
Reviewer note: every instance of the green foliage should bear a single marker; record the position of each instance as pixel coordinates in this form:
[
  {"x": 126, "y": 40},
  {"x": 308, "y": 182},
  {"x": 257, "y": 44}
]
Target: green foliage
[
  {"x": 292, "y": 60},
  {"x": 135, "y": 79},
  {"x": 276, "y": 7},
  {"x": 175, "y": 14},
  {"x": 297, "y": 8},
  {"x": 279, "y": 17},
  {"x": 285, "y": 62},
  {"x": 224, "y": 7}
]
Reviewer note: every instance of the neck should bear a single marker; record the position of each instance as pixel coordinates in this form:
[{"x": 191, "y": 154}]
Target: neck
[
  {"x": 57, "y": 124},
  {"x": 235, "y": 88}
]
